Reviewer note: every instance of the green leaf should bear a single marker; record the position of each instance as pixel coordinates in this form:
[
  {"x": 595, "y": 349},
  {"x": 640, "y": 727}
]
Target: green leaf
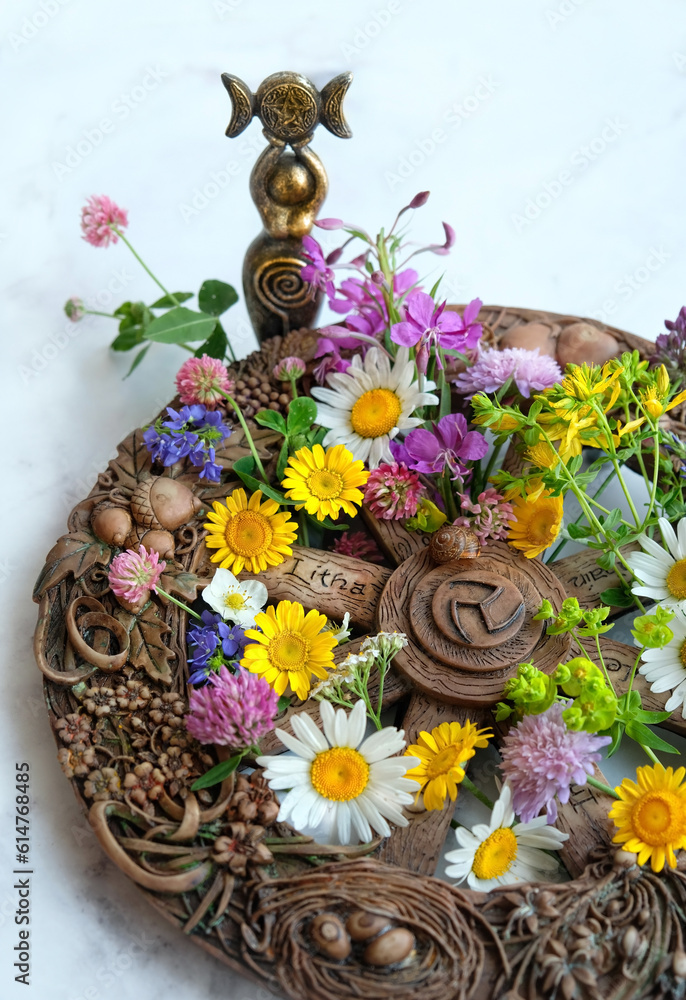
[
  {"x": 270, "y": 418},
  {"x": 244, "y": 467},
  {"x": 328, "y": 523},
  {"x": 180, "y": 325},
  {"x": 217, "y": 773},
  {"x": 283, "y": 703},
  {"x": 650, "y": 718},
  {"x": 216, "y": 344},
  {"x": 215, "y": 297},
  {"x": 435, "y": 288},
  {"x": 617, "y": 598},
  {"x": 128, "y": 339},
  {"x": 617, "y": 731},
  {"x": 282, "y": 460},
  {"x": 302, "y": 413},
  {"x": 166, "y": 302},
  {"x": 137, "y": 360},
  {"x": 579, "y": 531},
  {"x": 637, "y": 731},
  {"x": 606, "y": 560}
]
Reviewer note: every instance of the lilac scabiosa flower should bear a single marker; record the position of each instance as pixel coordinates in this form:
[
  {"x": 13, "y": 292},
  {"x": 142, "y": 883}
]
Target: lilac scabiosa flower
[
  {"x": 101, "y": 220},
  {"x": 74, "y": 308},
  {"x": 493, "y": 368},
  {"x": 429, "y": 326},
  {"x": 489, "y": 518},
  {"x": 203, "y": 380},
  {"x": 317, "y": 273},
  {"x": 542, "y": 758},
  {"x": 289, "y": 369},
  {"x": 448, "y": 446},
  {"x": 358, "y": 545},
  {"x": 233, "y": 710},
  {"x": 393, "y": 491},
  {"x": 133, "y": 573}
]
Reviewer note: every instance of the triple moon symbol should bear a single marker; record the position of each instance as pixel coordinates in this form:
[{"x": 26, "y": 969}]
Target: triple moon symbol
[{"x": 497, "y": 614}]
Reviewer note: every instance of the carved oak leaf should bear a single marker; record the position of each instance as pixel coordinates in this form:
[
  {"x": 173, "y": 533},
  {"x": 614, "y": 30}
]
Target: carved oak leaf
[
  {"x": 178, "y": 581},
  {"x": 132, "y": 462},
  {"x": 74, "y": 553},
  {"x": 236, "y": 446},
  {"x": 146, "y": 635}
]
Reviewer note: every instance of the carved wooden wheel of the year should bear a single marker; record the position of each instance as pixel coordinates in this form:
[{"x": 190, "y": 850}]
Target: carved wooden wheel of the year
[{"x": 115, "y": 685}]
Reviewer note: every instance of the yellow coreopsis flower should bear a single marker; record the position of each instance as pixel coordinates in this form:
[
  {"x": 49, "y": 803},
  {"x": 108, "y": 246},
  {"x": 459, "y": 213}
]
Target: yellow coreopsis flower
[
  {"x": 442, "y": 754},
  {"x": 251, "y": 534},
  {"x": 325, "y": 482},
  {"x": 539, "y": 519}
]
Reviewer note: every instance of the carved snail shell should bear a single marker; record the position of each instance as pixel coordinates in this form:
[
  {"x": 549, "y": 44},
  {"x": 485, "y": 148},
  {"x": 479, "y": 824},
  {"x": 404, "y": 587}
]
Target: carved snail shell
[
  {"x": 160, "y": 502},
  {"x": 452, "y": 542}
]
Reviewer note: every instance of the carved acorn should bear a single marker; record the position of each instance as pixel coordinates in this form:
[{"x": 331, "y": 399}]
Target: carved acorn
[
  {"x": 111, "y": 523},
  {"x": 155, "y": 540},
  {"x": 393, "y": 946},
  {"x": 160, "y": 502},
  {"x": 362, "y": 926},
  {"x": 330, "y": 936},
  {"x": 454, "y": 542}
]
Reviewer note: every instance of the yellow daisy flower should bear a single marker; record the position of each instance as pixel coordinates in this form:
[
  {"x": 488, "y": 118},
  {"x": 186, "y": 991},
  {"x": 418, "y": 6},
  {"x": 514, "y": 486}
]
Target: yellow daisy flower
[
  {"x": 325, "y": 481},
  {"x": 651, "y": 815},
  {"x": 538, "y": 523},
  {"x": 290, "y": 647},
  {"x": 250, "y": 533},
  {"x": 442, "y": 754}
]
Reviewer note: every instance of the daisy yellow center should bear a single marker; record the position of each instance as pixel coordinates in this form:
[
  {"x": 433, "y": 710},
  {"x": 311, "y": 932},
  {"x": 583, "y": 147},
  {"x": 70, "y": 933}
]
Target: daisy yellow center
[
  {"x": 234, "y": 601},
  {"x": 375, "y": 413},
  {"x": 288, "y": 651},
  {"x": 495, "y": 855},
  {"x": 676, "y": 580},
  {"x": 657, "y": 818},
  {"x": 339, "y": 774},
  {"x": 325, "y": 484},
  {"x": 248, "y": 533},
  {"x": 443, "y": 762}
]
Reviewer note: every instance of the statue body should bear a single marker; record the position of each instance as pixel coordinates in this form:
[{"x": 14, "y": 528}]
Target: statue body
[{"x": 288, "y": 185}]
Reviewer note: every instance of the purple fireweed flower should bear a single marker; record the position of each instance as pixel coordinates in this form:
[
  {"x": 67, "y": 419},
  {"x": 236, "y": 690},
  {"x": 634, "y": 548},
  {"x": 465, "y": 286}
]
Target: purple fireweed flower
[
  {"x": 317, "y": 273},
  {"x": 493, "y": 369},
  {"x": 429, "y": 326},
  {"x": 233, "y": 710},
  {"x": 330, "y": 223},
  {"x": 448, "y": 446},
  {"x": 670, "y": 348},
  {"x": 542, "y": 758}
]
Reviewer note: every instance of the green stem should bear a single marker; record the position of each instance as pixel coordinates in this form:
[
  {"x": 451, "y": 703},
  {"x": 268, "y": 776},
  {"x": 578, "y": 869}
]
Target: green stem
[
  {"x": 650, "y": 753},
  {"x": 96, "y": 312},
  {"x": 633, "y": 670},
  {"x": 558, "y": 548},
  {"x": 145, "y": 266},
  {"x": 294, "y": 388},
  {"x": 179, "y": 604},
  {"x": 602, "y": 787},
  {"x": 483, "y": 479},
  {"x": 656, "y": 469},
  {"x": 476, "y": 792},
  {"x": 248, "y": 435},
  {"x": 304, "y": 528},
  {"x": 632, "y": 508},
  {"x": 448, "y": 495},
  {"x": 602, "y": 664}
]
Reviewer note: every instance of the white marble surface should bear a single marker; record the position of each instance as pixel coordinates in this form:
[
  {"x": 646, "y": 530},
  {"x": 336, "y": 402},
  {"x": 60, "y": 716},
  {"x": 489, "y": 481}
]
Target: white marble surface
[{"x": 510, "y": 95}]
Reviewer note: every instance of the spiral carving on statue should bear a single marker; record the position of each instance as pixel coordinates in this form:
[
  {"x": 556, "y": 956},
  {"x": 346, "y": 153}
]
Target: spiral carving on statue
[{"x": 279, "y": 286}]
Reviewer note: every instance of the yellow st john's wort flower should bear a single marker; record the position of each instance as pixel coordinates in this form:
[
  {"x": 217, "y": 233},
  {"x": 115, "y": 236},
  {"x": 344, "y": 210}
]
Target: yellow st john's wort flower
[
  {"x": 651, "y": 815},
  {"x": 442, "y": 754},
  {"x": 250, "y": 533},
  {"x": 583, "y": 382},
  {"x": 539, "y": 519},
  {"x": 325, "y": 481},
  {"x": 573, "y": 430},
  {"x": 290, "y": 648}
]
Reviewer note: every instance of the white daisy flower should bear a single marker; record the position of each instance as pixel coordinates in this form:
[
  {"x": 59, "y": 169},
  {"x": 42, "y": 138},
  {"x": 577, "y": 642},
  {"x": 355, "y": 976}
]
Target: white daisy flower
[
  {"x": 662, "y": 574},
  {"x": 665, "y": 669},
  {"x": 357, "y": 784},
  {"x": 371, "y": 403},
  {"x": 237, "y": 601},
  {"x": 501, "y": 853}
]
